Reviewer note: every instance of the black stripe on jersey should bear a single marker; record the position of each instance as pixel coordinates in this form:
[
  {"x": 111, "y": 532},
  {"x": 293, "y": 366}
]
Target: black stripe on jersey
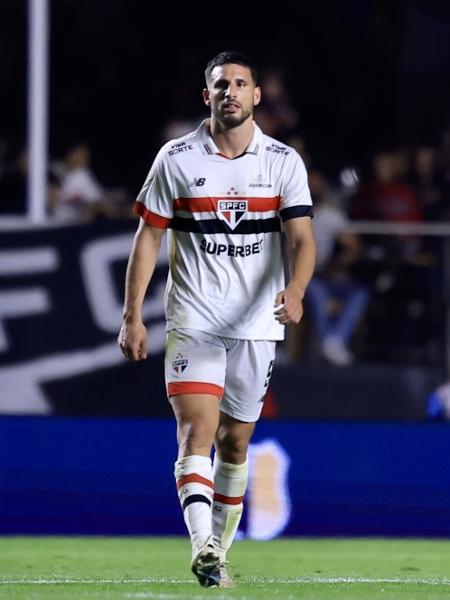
[
  {"x": 219, "y": 226},
  {"x": 296, "y": 211},
  {"x": 196, "y": 498}
]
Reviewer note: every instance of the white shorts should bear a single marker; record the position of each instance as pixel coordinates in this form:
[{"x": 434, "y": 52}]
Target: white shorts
[{"x": 236, "y": 371}]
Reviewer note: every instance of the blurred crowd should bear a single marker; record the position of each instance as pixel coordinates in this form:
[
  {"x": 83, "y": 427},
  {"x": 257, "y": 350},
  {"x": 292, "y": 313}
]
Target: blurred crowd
[
  {"x": 368, "y": 290},
  {"x": 74, "y": 192}
]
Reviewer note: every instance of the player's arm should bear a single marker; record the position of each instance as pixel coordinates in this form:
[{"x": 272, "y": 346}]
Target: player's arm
[
  {"x": 302, "y": 258},
  {"x": 141, "y": 265}
]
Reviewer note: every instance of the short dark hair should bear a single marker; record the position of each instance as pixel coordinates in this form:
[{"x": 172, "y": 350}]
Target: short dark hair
[{"x": 230, "y": 57}]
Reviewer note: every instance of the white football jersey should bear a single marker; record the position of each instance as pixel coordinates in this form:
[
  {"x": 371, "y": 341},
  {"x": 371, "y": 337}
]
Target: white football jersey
[{"x": 223, "y": 217}]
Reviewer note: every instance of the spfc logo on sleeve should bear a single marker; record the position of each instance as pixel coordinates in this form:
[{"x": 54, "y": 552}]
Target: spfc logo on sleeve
[
  {"x": 180, "y": 364},
  {"x": 232, "y": 211}
]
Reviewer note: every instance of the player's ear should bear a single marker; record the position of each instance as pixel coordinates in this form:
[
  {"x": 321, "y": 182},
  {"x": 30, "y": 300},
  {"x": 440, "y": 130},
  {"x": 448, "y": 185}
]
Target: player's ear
[
  {"x": 257, "y": 96},
  {"x": 206, "y": 99}
]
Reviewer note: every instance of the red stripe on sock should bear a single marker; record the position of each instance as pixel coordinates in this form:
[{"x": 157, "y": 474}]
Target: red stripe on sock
[
  {"x": 193, "y": 478},
  {"x": 228, "y": 499}
]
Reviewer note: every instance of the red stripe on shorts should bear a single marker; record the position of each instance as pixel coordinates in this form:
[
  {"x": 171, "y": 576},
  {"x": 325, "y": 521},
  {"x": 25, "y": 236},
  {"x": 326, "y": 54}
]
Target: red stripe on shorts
[{"x": 176, "y": 388}]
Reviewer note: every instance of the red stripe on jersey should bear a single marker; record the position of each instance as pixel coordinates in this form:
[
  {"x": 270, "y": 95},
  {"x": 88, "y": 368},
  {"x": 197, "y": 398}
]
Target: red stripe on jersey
[
  {"x": 194, "y": 387},
  {"x": 193, "y": 478},
  {"x": 195, "y": 204},
  {"x": 209, "y": 204},
  {"x": 151, "y": 218},
  {"x": 228, "y": 499}
]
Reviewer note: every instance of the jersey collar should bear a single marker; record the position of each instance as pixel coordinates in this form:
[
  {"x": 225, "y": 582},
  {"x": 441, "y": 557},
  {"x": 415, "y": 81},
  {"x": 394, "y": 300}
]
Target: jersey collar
[{"x": 208, "y": 146}]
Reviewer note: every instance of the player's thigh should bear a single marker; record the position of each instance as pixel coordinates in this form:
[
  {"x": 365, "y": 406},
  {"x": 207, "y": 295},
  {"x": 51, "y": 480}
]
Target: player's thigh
[
  {"x": 197, "y": 420},
  {"x": 249, "y": 368},
  {"x": 195, "y": 363}
]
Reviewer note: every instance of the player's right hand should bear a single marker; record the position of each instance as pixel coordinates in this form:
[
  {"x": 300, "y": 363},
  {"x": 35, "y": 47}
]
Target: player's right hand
[{"x": 132, "y": 340}]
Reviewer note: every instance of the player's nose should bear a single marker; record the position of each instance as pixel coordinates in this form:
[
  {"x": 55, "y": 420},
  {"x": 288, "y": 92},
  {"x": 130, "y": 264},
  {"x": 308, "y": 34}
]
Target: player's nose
[{"x": 230, "y": 91}]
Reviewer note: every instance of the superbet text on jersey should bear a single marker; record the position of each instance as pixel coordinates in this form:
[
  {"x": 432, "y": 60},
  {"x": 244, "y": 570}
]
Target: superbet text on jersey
[{"x": 224, "y": 219}]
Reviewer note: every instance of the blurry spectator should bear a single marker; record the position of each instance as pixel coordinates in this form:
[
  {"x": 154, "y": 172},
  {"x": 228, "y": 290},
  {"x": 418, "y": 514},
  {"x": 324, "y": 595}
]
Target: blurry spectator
[
  {"x": 81, "y": 196},
  {"x": 79, "y": 186},
  {"x": 400, "y": 267},
  {"x": 428, "y": 183},
  {"x": 335, "y": 300},
  {"x": 387, "y": 197},
  {"x": 276, "y": 114}
]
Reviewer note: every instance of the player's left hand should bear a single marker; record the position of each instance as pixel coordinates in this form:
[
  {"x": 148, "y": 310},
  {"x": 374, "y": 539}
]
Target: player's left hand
[{"x": 289, "y": 305}]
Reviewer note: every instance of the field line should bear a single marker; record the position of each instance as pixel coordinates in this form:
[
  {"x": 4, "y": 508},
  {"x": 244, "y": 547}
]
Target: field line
[
  {"x": 357, "y": 580},
  {"x": 255, "y": 580}
]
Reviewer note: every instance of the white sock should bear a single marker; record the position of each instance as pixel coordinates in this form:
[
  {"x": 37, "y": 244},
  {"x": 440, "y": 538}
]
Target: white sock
[
  {"x": 195, "y": 490},
  {"x": 230, "y": 483}
]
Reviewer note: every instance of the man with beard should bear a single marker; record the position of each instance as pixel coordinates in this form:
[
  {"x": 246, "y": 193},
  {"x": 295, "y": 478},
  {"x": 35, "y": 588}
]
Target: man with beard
[{"x": 222, "y": 192}]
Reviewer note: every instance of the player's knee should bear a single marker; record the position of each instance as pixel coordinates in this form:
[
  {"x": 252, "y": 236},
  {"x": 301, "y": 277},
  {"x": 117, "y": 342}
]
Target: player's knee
[
  {"x": 232, "y": 449},
  {"x": 192, "y": 436}
]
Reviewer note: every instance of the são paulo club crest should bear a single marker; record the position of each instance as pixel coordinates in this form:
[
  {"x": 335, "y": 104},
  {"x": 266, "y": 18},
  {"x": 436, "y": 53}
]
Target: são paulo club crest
[
  {"x": 232, "y": 211},
  {"x": 180, "y": 364}
]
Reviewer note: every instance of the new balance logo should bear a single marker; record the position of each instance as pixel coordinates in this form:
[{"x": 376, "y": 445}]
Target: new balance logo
[{"x": 197, "y": 182}]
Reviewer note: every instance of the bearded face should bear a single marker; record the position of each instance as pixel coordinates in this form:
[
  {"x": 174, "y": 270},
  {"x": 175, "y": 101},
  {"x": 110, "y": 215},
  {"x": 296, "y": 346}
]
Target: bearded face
[{"x": 231, "y": 94}]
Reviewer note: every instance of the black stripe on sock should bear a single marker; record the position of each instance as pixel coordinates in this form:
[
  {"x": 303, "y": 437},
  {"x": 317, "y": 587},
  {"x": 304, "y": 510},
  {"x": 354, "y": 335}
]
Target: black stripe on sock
[{"x": 196, "y": 498}]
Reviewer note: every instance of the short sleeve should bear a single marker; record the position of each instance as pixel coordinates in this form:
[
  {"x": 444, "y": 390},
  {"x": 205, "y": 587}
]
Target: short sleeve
[
  {"x": 295, "y": 196},
  {"x": 155, "y": 200}
]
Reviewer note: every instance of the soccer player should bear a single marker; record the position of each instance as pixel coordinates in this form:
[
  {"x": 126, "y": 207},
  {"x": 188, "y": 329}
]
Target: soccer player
[{"x": 222, "y": 193}]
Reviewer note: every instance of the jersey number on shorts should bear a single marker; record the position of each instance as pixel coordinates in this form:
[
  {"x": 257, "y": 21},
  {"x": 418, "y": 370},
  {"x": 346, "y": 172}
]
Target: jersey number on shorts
[{"x": 268, "y": 376}]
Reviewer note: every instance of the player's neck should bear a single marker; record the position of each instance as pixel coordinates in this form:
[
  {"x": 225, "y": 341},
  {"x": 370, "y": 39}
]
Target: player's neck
[{"x": 232, "y": 142}]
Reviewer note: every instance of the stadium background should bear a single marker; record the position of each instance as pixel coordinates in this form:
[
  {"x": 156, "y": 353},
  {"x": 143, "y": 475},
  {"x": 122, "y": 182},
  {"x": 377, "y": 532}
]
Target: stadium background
[{"x": 355, "y": 449}]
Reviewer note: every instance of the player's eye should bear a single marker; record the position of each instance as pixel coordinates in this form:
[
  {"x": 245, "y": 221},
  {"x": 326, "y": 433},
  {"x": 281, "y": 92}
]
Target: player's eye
[{"x": 221, "y": 84}]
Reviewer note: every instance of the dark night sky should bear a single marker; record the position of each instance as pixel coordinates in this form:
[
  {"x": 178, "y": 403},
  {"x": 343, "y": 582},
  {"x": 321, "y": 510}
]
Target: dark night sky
[{"x": 364, "y": 74}]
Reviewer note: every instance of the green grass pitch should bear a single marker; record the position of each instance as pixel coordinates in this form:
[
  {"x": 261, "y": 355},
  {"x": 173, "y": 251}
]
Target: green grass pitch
[{"x": 38, "y": 568}]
